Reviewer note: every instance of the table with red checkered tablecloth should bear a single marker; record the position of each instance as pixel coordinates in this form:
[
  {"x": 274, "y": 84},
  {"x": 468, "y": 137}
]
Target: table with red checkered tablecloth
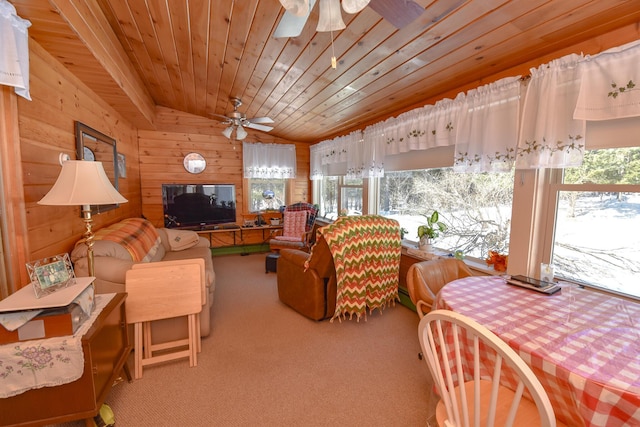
[{"x": 583, "y": 345}]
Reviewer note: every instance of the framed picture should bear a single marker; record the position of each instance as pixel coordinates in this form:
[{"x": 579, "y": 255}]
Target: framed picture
[
  {"x": 50, "y": 274},
  {"x": 122, "y": 166}
]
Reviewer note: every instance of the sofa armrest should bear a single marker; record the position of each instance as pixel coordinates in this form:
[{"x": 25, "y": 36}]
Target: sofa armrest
[
  {"x": 294, "y": 256},
  {"x": 107, "y": 268}
]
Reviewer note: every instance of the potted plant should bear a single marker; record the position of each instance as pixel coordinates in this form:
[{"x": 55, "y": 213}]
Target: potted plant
[{"x": 429, "y": 231}]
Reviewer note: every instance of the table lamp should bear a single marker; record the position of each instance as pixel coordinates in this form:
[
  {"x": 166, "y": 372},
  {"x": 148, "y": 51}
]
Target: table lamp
[{"x": 83, "y": 183}]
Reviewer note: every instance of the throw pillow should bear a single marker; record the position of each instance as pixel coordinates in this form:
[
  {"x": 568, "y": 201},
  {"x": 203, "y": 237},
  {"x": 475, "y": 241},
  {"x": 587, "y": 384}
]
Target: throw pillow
[
  {"x": 295, "y": 224},
  {"x": 180, "y": 240}
]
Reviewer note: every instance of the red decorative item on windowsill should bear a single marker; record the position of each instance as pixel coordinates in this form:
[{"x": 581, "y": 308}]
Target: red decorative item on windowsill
[{"x": 498, "y": 261}]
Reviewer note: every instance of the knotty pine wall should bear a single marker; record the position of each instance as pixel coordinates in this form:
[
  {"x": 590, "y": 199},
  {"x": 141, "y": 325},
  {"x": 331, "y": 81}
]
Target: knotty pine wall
[
  {"x": 162, "y": 152},
  {"x": 46, "y": 127}
]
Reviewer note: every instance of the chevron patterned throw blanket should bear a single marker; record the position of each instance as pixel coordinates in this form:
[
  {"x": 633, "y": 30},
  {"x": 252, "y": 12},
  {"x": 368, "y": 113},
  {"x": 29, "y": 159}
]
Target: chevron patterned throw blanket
[{"x": 366, "y": 255}]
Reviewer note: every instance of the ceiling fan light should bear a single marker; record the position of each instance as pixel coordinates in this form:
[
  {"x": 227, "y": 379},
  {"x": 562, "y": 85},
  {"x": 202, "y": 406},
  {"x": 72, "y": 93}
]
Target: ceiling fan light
[
  {"x": 330, "y": 16},
  {"x": 227, "y": 132},
  {"x": 354, "y": 6},
  {"x": 296, "y": 7},
  {"x": 241, "y": 133}
]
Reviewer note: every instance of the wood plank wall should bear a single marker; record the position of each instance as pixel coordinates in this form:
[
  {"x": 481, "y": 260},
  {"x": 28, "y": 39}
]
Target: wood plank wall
[
  {"x": 47, "y": 126},
  {"x": 162, "y": 152}
]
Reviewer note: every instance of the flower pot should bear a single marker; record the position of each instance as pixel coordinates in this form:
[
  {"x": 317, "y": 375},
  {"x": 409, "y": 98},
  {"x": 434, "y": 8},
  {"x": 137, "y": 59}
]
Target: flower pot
[{"x": 425, "y": 244}]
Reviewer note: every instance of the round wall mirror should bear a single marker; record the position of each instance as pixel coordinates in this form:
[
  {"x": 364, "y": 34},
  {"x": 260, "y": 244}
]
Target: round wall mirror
[{"x": 194, "y": 163}]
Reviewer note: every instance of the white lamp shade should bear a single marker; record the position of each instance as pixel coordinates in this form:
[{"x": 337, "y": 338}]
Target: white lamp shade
[
  {"x": 241, "y": 133},
  {"x": 296, "y": 7},
  {"x": 82, "y": 182},
  {"x": 330, "y": 16},
  {"x": 354, "y": 6}
]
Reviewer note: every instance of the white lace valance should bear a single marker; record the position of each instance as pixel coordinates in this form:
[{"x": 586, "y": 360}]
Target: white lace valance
[
  {"x": 268, "y": 160},
  {"x": 366, "y": 158},
  {"x": 487, "y": 131},
  {"x": 315, "y": 162},
  {"x": 427, "y": 127},
  {"x": 549, "y": 135},
  {"x": 486, "y": 125},
  {"x": 610, "y": 86},
  {"x": 14, "y": 54}
]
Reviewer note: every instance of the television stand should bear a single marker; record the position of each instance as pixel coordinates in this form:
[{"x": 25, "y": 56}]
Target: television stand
[{"x": 232, "y": 235}]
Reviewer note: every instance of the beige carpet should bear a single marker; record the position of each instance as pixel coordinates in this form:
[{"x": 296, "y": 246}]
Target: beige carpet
[{"x": 264, "y": 364}]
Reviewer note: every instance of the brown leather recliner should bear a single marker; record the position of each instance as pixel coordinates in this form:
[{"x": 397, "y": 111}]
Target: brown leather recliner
[
  {"x": 311, "y": 293},
  {"x": 426, "y": 278}
]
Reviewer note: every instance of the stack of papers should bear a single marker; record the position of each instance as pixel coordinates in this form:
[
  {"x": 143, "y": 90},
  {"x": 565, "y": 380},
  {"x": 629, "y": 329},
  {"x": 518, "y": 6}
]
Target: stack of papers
[{"x": 534, "y": 284}]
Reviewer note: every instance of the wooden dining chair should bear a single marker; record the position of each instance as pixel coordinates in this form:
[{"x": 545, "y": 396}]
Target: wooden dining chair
[
  {"x": 466, "y": 361},
  {"x": 173, "y": 290}
]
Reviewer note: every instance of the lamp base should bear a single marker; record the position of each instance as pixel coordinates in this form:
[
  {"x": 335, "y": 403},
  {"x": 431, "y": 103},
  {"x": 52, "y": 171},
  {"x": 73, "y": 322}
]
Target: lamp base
[{"x": 88, "y": 237}]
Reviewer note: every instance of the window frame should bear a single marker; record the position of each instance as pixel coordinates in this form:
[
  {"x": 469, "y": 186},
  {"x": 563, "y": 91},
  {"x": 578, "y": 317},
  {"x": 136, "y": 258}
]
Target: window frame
[
  {"x": 555, "y": 185},
  {"x": 317, "y": 194}
]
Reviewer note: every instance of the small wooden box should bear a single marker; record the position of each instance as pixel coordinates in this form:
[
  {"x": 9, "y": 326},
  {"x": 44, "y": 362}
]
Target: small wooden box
[{"x": 54, "y": 322}]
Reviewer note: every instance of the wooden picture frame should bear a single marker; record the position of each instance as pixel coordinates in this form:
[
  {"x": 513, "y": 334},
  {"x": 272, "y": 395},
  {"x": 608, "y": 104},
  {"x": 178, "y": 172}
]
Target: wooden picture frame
[
  {"x": 50, "y": 274},
  {"x": 92, "y": 145}
]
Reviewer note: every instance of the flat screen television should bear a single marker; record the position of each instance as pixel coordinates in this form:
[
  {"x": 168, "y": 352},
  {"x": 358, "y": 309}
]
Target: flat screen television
[{"x": 198, "y": 205}]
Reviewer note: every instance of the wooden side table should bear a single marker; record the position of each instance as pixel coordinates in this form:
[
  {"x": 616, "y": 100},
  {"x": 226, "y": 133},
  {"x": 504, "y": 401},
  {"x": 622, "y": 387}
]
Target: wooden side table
[{"x": 106, "y": 349}]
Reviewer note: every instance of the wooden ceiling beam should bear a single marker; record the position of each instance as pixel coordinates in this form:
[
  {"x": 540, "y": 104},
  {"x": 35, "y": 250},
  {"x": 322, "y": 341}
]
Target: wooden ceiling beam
[{"x": 93, "y": 29}]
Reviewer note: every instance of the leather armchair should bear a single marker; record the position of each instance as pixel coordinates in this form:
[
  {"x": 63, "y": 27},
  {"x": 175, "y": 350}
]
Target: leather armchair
[
  {"x": 426, "y": 278},
  {"x": 311, "y": 293}
]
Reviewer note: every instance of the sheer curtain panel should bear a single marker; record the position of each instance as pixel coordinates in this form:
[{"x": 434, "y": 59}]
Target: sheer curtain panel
[
  {"x": 550, "y": 137},
  {"x": 14, "y": 55},
  {"x": 487, "y": 131},
  {"x": 610, "y": 87},
  {"x": 269, "y": 160}
]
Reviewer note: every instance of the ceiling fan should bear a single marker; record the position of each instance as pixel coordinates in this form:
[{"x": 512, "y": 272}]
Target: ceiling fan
[
  {"x": 238, "y": 121},
  {"x": 399, "y": 13}
]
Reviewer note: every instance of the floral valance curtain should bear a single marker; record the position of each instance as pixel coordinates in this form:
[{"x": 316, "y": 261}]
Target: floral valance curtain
[
  {"x": 360, "y": 159},
  {"x": 14, "y": 54},
  {"x": 427, "y": 127},
  {"x": 269, "y": 160},
  {"x": 488, "y": 127},
  {"x": 609, "y": 88},
  {"x": 364, "y": 159},
  {"x": 549, "y": 135}
]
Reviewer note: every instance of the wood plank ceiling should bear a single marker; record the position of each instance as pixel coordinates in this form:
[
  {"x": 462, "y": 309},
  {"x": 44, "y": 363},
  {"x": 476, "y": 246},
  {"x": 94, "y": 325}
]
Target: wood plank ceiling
[{"x": 194, "y": 55}]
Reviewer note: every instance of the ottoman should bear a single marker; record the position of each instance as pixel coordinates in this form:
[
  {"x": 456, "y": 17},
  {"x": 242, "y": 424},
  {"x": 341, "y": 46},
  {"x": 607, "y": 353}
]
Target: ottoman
[{"x": 271, "y": 262}]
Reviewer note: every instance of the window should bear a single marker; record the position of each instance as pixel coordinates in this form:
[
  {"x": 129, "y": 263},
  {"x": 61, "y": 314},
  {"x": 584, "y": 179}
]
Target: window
[
  {"x": 342, "y": 195},
  {"x": 352, "y": 196},
  {"x": 475, "y": 207},
  {"x": 328, "y": 200},
  {"x": 267, "y": 194},
  {"x": 596, "y": 238}
]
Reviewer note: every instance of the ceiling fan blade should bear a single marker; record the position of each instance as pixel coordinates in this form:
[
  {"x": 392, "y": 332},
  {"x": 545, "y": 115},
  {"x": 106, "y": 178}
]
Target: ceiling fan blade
[
  {"x": 220, "y": 117},
  {"x": 399, "y": 13},
  {"x": 256, "y": 126},
  {"x": 261, "y": 120},
  {"x": 291, "y": 25}
]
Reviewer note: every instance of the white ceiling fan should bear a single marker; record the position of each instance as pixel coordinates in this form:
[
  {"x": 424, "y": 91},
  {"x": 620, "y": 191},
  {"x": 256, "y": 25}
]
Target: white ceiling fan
[
  {"x": 238, "y": 121},
  {"x": 399, "y": 13}
]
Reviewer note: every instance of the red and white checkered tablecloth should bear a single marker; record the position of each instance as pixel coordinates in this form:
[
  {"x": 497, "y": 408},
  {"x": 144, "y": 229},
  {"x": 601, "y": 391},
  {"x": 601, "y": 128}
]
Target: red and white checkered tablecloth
[{"x": 584, "y": 346}]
